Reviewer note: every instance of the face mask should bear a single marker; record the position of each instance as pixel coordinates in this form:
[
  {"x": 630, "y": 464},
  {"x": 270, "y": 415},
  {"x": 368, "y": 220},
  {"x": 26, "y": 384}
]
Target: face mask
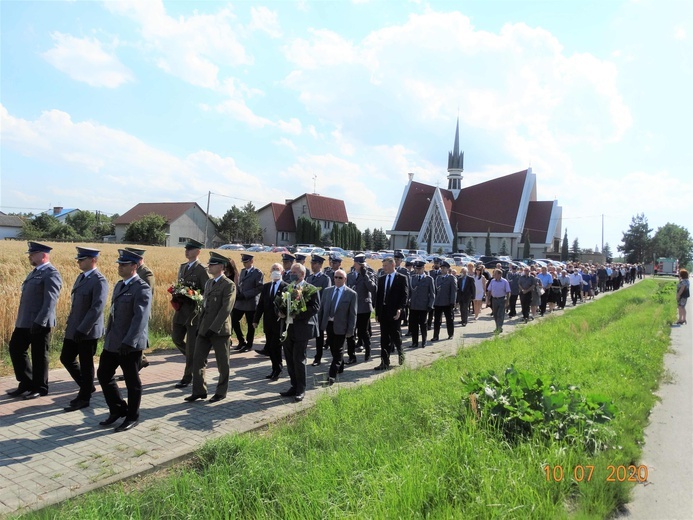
[
  {"x": 275, "y": 275},
  {"x": 293, "y": 277}
]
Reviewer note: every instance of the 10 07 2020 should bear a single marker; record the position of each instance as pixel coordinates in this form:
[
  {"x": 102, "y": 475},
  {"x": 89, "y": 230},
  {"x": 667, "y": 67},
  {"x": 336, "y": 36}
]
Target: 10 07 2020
[{"x": 584, "y": 473}]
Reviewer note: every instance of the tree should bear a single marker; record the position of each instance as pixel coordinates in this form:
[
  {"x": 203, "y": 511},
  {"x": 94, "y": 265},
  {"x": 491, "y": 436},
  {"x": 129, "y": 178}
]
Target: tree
[
  {"x": 636, "y": 241},
  {"x": 607, "y": 252},
  {"x": 575, "y": 250},
  {"x": 368, "y": 240},
  {"x": 487, "y": 247},
  {"x": 150, "y": 229},
  {"x": 673, "y": 241},
  {"x": 564, "y": 247},
  {"x": 526, "y": 246},
  {"x": 503, "y": 251},
  {"x": 83, "y": 223},
  {"x": 455, "y": 241},
  {"x": 469, "y": 249},
  {"x": 325, "y": 240},
  {"x": 411, "y": 243},
  {"x": 249, "y": 224},
  {"x": 228, "y": 225},
  {"x": 380, "y": 240}
]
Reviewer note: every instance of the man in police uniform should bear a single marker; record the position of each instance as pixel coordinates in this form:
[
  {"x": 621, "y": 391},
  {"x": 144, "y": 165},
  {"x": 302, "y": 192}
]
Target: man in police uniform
[
  {"x": 433, "y": 273},
  {"x": 301, "y": 259},
  {"x": 322, "y": 282},
  {"x": 287, "y": 261},
  {"x": 35, "y": 319},
  {"x": 184, "y": 328},
  {"x": 84, "y": 325},
  {"x": 335, "y": 263},
  {"x": 250, "y": 284},
  {"x": 446, "y": 297},
  {"x": 126, "y": 338},
  {"x": 214, "y": 330},
  {"x": 144, "y": 272},
  {"x": 363, "y": 281},
  {"x": 421, "y": 300}
]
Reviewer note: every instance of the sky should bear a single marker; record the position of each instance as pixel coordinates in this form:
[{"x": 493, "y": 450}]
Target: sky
[{"x": 107, "y": 104}]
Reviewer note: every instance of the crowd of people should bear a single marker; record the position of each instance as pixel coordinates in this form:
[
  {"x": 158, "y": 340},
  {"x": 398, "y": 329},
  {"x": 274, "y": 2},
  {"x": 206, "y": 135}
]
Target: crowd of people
[{"x": 299, "y": 303}]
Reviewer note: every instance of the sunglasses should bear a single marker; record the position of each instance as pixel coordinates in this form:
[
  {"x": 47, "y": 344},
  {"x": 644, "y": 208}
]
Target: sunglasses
[{"x": 339, "y": 278}]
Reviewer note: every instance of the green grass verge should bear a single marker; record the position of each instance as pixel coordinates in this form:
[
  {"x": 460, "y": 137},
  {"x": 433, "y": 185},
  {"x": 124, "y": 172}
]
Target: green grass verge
[{"x": 404, "y": 447}]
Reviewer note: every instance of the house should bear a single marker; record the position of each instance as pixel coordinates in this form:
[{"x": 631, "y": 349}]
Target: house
[
  {"x": 184, "y": 220},
  {"x": 60, "y": 213},
  {"x": 506, "y": 208},
  {"x": 10, "y": 226},
  {"x": 278, "y": 221}
]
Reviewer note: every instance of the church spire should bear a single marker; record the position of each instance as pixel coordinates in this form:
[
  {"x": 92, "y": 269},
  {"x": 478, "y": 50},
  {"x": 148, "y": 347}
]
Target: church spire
[{"x": 455, "y": 164}]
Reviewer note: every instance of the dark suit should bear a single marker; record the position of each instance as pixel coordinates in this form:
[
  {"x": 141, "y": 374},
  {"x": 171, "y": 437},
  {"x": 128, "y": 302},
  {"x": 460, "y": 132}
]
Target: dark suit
[
  {"x": 303, "y": 329},
  {"x": 184, "y": 326},
  {"x": 339, "y": 322},
  {"x": 126, "y": 339},
  {"x": 466, "y": 290},
  {"x": 388, "y": 303},
  {"x": 214, "y": 332},
  {"x": 322, "y": 282},
  {"x": 250, "y": 283},
  {"x": 83, "y": 330},
  {"x": 365, "y": 285},
  {"x": 35, "y": 319},
  {"x": 267, "y": 311}
]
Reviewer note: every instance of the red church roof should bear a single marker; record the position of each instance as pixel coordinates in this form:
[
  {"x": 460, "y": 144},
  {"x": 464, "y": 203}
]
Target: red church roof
[
  {"x": 415, "y": 207},
  {"x": 538, "y": 219}
]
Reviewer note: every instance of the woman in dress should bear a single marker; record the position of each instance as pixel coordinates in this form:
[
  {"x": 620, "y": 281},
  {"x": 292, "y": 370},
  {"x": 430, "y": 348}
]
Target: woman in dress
[
  {"x": 480, "y": 284},
  {"x": 554, "y": 292},
  {"x": 683, "y": 292}
]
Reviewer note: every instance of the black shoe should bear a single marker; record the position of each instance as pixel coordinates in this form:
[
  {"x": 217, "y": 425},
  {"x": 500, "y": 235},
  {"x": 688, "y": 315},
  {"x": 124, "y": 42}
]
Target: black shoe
[
  {"x": 414, "y": 345},
  {"x": 341, "y": 368},
  {"x": 239, "y": 346},
  {"x": 120, "y": 378},
  {"x": 34, "y": 395},
  {"x": 275, "y": 375},
  {"x": 381, "y": 366},
  {"x": 216, "y": 398},
  {"x": 330, "y": 381},
  {"x": 75, "y": 405},
  {"x": 192, "y": 398},
  {"x": 366, "y": 358},
  {"x": 246, "y": 348},
  {"x": 407, "y": 334},
  {"x": 262, "y": 352},
  {"x": 401, "y": 359},
  {"x": 435, "y": 338},
  {"x": 316, "y": 363},
  {"x": 423, "y": 344},
  {"x": 289, "y": 393},
  {"x": 182, "y": 384},
  {"x": 351, "y": 361},
  {"x": 450, "y": 337},
  {"x": 144, "y": 364},
  {"x": 299, "y": 397},
  {"x": 17, "y": 392},
  {"x": 112, "y": 418},
  {"x": 127, "y": 425},
  {"x": 270, "y": 375}
]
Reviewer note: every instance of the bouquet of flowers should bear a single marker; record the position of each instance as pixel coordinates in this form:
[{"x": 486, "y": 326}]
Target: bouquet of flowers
[
  {"x": 293, "y": 301},
  {"x": 180, "y": 291}
]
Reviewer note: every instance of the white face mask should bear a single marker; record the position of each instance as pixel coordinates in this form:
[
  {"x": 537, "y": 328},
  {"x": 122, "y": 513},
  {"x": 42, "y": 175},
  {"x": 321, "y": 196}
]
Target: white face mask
[{"x": 275, "y": 275}]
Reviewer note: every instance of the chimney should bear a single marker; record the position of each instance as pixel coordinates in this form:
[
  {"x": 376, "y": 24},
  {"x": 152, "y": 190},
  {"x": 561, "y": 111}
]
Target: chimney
[
  {"x": 57, "y": 210},
  {"x": 288, "y": 201},
  {"x": 411, "y": 176}
]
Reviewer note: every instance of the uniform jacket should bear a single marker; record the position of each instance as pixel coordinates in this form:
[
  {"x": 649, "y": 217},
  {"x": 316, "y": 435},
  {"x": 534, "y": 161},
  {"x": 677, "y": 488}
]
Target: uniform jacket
[
  {"x": 446, "y": 290},
  {"x": 217, "y": 306},
  {"x": 147, "y": 275},
  {"x": 250, "y": 284},
  {"x": 305, "y": 324},
  {"x": 465, "y": 294},
  {"x": 423, "y": 293},
  {"x": 365, "y": 286},
  {"x": 128, "y": 322},
  {"x": 344, "y": 322},
  {"x": 197, "y": 277},
  {"x": 40, "y": 292},
  {"x": 89, "y": 297},
  {"x": 319, "y": 280},
  {"x": 387, "y": 305},
  {"x": 266, "y": 310}
]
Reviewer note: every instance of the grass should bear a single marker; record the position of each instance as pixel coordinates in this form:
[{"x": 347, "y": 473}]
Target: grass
[{"x": 404, "y": 447}]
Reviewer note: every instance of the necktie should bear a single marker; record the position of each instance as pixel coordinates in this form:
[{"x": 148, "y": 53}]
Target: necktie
[
  {"x": 335, "y": 300},
  {"x": 387, "y": 284},
  {"x": 80, "y": 278},
  {"x": 274, "y": 289}
]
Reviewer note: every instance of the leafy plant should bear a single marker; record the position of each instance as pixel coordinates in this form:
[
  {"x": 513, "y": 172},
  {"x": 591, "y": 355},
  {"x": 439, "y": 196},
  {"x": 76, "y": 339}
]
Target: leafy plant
[{"x": 522, "y": 404}]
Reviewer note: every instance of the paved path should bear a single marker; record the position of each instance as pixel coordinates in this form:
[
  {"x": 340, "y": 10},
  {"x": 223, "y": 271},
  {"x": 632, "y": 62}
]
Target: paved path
[{"x": 47, "y": 456}]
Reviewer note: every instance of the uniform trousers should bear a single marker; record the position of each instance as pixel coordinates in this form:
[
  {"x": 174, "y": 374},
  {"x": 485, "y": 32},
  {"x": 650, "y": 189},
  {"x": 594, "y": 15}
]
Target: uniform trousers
[
  {"x": 129, "y": 363},
  {"x": 336, "y": 343},
  {"x": 417, "y": 324},
  {"x": 512, "y": 305},
  {"x": 82, "y": 371},
  {"x": 236, "y": 316},
  {"x": 320, "y": 345},
  {"x": 34, "y": 378},
  {"x": 390, "y": 339},
  {"x": 295, "y": 356},
  {"x": 203, "y": 345},
  {"x": 363, "y": 321},
  {"x": 184, "y": 337},
  {"x": 438, "y": 312}
]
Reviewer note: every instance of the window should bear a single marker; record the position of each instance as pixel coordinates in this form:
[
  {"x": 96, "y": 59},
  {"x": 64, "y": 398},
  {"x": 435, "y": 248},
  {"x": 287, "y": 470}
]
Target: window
[{"x": 183, "y": 239}]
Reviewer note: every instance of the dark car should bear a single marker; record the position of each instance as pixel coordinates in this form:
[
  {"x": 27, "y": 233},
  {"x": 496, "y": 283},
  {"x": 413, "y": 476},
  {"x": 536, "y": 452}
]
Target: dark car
[{"x": 505, "y": 265}]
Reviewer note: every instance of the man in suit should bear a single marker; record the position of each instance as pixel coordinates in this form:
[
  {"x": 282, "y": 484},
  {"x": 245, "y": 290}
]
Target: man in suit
[
  {"x": 322, "y": 282},
  {"x": 126, "y": 338},
  {"x": 446, "y": 297},
  {"x": 84, "y": 325},
  {"x": 401, "y": 268},
  {"x": 249, "y": 287},
  {"x": 185, "y": 320},
  {"x": 287, "y": 261},
  {"x": 35, "y": 319},
  {"x": 144, "y": 272},
  {"x": 363, "y": 282},
  {"x": 267, "y": 311},
  {"x": 421, "y": 300},
  {"x": 392, "y": 297},
  {"x": 466, "y": 291},
  {"x": 433, "y": 273},
  {"x": 302, "y": 328},
  {"x": 337, "y": 317},
  {"x": 214, "y": 330}
]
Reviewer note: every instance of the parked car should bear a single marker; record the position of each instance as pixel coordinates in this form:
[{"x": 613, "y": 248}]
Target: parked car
[
  {"x": 505, "y": 266},
  {"x": 279, "y": 249},
  {"x": 232, "y": 247}
]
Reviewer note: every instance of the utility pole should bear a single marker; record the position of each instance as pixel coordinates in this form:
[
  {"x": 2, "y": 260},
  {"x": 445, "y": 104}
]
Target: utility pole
[
  {"x": 209, "y": 195},
  {"x": 315, "y": 181},
  {"x": 602, "y": 232}
]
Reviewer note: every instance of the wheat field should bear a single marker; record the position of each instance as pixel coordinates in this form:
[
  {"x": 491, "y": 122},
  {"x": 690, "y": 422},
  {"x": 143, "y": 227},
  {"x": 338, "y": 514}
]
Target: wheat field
[{"x": 163, "y": 261}]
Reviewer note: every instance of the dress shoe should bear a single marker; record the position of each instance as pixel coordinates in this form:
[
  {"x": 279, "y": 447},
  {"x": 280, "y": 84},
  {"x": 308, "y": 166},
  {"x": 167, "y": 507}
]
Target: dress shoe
[
  {"x": 239, "y": 346},
  {"x": 289, "y": 393},
  {"x": 144, "y": 364},
  {"x": 450, "y": 337},
  {"x": 275, "y": 375},
  {"x": 316, "y": 363},
  {"x": 262, "y": 352},
  {"x": 246, "y": 348},
  {"x": 299, "y": 397},
  {"x": 17, "y": 392},
  {"x": 216, "y": 398},
  {"x": 76, "y": 405},
  {"x": 435, "y": 338},
  {"x": 112, "y": 418},
  {"x": 401, "y": 358},
  {"x": 270, "y": 375},
  {"x": 381, "y": 366},
  {"x": 330, "y": 381},
  {"x": 193, "y": 398},
  {"x": 34, "y": 395},
  {"x": 367, "y": 358},
  {"x": 414, "y": 345},
  {"x": 120, "y": 378},
  {"x": 350, "y": 361},
  {"x": 182, "y": 384},
  {"x": 127, "y": 425}
]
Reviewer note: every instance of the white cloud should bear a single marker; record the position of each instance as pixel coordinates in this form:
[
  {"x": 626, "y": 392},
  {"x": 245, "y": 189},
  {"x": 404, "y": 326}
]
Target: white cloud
[
  {"x": 283, "y": 141},
  {"x": 679, "y": 33},
  {"x": 262, "y": 19},
  {"x": 85, "y": 60}
]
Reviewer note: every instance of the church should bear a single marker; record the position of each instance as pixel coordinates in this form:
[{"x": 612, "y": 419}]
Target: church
[{"x": 506, "y": 208}]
